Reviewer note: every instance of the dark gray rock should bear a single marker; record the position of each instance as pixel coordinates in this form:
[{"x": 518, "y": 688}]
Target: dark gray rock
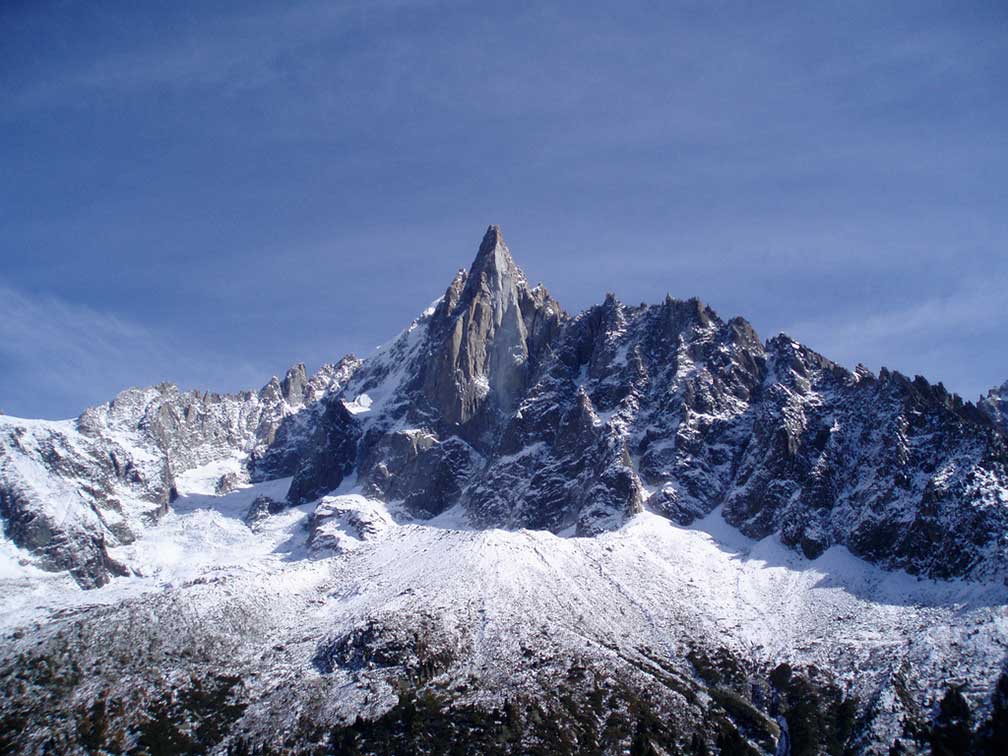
[
  {"x": 439, "y": 476},
  {"x": 426, "y": 475},
  {"x": 64, "y": 483},
  {"x": 339, "y": 524},
  {"x": 891, "y": 467},
  {"x": 82, "y": 553},
  {"x": 671, "y": 408},
  {"x": 261, "y": 508},
  {"x": 995, "y": 406},
  {"x": 331, "y": 457},
  {"x": 486, "y": 339},
  {"x": 420, "y": 651},
  {"x": 294, "y": 385},
  {"x": 388, "y": 461},
  {"x": 287, "y": 442},
  {"x": 227, "y": 483}
]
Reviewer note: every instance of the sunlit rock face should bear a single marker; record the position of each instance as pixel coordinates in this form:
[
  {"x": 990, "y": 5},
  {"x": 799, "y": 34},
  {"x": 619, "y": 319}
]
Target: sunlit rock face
[
  {"x": 70, "y": 490},
  {"x": 487, "y": 338}
]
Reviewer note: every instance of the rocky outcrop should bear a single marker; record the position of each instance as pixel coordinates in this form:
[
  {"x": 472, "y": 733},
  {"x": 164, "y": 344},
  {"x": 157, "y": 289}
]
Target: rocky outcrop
[
  {"x": 995, "y": 406},
  {"x": 671, "y": 408},
  {"x": 486, "y": 339},
  {"x": 330, "y": 456},
  {"x": 340, "y": 523},
  {"x": 418, "y": 653},
  {"x": 261, "y": 509},
  {"x": 898, "y": 470},
  {"x": 414, "y": 468},
  {"x": 80, "y": 551}
]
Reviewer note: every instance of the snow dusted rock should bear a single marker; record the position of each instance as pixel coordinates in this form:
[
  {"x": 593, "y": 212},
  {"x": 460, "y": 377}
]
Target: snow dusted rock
[
  {"x": 260, "y": 510},
  {"x": 898, "y": 470},
  {"x": 66, "y": 496},
  {"x": 281, "y": 445},
  {"x": 227, "y": 483},
  {"x": 425, "y": 648},
  {"x": 421, "y": 635},
  {"x": 499, "y": 403},
  {"x": 329, "y": 454},
  {"x": 413, "y": 467},
  {"x": 995, "y": 406},
  {"x": 71, "y": 489},
  {"x": 340, "y": 523}
]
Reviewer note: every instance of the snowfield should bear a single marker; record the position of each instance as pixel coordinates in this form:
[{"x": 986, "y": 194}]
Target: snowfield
[{"x": 649, "y": 585}]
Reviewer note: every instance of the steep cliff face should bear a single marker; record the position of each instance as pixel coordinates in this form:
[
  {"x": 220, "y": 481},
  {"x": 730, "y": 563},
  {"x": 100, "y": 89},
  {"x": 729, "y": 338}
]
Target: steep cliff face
[
  {"x": 486, "y": 340},
  {"x": 498, "y": 405},
  {"x": 623, "y": 413},
  {"x": 898, "y": 470},
  {"x": 672, "y": 409}
]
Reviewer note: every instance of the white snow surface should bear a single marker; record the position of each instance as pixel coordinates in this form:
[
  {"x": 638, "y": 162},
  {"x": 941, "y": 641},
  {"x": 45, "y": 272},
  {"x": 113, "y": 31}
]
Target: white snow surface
[{"x": 648, "y": 584}]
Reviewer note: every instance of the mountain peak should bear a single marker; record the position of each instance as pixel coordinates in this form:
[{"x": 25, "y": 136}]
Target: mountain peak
[
  {"x": 492, "y": 238},
  {"x": 995, "y": 406},
  {"x": 490, "y": 331},
  {"x": 494, "y": 264}
]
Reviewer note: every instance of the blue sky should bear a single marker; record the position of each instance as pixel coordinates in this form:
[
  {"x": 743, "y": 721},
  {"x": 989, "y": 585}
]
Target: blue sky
[{"x": 207, "y": 195}]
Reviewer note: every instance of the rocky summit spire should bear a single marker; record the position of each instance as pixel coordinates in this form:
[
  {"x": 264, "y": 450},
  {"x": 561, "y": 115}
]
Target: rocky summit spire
[
  {"x": 492, "y": 239},
  {"x": 494, "y": 269},
  {"x": 493, "y": 251},
  {"x": 995, "y": 406},
  {"x": 490, "y": 329}
]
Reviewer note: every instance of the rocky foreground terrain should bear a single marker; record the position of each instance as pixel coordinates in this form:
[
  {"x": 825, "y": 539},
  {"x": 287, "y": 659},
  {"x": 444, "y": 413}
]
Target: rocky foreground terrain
[{"x": 513, "y": 530}]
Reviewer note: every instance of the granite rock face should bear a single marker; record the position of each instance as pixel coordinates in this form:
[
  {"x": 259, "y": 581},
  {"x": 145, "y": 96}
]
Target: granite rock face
[
  {"x": 486, "y": 339},
  {"x": 260, "y": 510},
  {"x": 329, "y": 455},
  {"x": 340, "y": 523},
  {"x": 499, "y": 405},
  {"x": 573, "y": 423}
]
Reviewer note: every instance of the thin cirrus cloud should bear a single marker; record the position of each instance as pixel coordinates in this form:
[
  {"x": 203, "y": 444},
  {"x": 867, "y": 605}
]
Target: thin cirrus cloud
[
  {"x": 218, "y": 193},
  {"x": 58, "y": 355},
  {"x": 227, "y": 53},
  {"x": 936, "y": 337}
]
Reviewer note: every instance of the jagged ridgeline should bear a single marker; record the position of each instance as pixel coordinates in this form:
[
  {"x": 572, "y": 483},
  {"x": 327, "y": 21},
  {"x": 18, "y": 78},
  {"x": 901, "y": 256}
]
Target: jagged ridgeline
[
  {"x": 497, "y": 402},
  {"x": 513, "y": 530}
]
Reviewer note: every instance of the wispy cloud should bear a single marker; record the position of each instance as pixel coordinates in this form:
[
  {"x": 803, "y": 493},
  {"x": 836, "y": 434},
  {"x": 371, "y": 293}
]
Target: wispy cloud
[
  {"x": 834, "y": 174},
  {"x": 227, "y": 53},
  {"x": 936, "y": 337},
  {"x": 59, "y": 356}
]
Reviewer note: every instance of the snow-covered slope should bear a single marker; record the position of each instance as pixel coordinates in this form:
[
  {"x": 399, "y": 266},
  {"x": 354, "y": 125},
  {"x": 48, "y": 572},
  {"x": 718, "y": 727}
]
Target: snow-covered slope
[
  {"x": 639, "y": 527},
  {"x": 317, "y": 613}
]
